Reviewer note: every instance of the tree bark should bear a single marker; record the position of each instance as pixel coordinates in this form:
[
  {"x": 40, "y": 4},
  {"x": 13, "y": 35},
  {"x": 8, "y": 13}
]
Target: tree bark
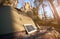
[{"x": 56, "y": 16}]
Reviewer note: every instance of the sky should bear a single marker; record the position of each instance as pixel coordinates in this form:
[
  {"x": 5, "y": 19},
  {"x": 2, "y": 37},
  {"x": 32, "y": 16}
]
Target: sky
[
  {"x": 20, "y": 4},
  {"x": 47, "y": 8}
]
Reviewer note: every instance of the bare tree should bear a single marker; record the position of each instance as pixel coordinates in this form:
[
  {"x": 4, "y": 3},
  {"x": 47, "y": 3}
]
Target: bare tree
[{"x": 56, "y": 16}]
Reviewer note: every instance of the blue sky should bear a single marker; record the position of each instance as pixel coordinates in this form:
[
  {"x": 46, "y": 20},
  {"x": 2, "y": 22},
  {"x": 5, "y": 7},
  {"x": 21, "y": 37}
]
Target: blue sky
[
  {"x": 49, "y": 13},
  {"x": 46, "y": 9},
  {"x": 20, "y": 4}
]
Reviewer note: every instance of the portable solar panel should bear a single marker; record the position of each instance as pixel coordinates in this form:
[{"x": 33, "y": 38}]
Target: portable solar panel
[{"x": 30, "y": 28}]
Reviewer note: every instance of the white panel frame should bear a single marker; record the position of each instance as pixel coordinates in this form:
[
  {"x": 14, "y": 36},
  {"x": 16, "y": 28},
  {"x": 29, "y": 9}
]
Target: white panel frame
[{"x": 30, "y": 31}]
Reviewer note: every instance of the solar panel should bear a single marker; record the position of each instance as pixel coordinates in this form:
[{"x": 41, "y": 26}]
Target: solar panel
[{"x": 29, "y": 28}]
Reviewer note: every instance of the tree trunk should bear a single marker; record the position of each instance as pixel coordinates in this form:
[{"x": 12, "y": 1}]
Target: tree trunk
[{"x": 56, "y": 16}]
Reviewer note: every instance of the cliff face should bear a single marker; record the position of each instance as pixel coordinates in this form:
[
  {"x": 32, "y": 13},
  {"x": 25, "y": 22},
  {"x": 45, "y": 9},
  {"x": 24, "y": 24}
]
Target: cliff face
[
  {"x": 24, "y": 20},
  {"x": 12, "y": 21}
]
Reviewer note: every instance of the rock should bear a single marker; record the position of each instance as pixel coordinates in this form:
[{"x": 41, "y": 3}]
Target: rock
[{"x": 51, "y": 35}]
